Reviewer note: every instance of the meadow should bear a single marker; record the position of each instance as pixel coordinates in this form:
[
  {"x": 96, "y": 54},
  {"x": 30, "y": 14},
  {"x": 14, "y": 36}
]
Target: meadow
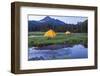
[{"x": 37, "y": 39}]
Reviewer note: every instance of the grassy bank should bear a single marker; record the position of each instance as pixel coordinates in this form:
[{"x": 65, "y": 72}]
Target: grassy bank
[{"x": 61, "y": 38}]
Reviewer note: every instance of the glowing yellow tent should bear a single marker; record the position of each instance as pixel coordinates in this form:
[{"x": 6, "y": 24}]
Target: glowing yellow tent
[
  {"x": 67, "y": 33},
  {"x": 50, "y": 34}
]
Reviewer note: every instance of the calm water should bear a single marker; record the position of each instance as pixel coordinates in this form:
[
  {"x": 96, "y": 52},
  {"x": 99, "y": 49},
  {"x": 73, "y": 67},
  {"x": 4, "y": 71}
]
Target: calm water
[{"x": 74, "y": 52}]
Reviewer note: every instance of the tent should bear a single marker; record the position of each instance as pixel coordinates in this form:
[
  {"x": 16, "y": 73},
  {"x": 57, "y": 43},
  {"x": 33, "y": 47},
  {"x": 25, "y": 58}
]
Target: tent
[
  {"x": 50, "y": 34},
  {"x": 67, "y": 33}
]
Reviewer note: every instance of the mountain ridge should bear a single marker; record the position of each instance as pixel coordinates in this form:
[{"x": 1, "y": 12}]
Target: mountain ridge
[{"x": 51, "y": 23}]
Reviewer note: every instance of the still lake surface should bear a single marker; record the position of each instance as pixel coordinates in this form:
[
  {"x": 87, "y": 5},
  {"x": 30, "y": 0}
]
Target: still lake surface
[{"x": 48, "y": 53}]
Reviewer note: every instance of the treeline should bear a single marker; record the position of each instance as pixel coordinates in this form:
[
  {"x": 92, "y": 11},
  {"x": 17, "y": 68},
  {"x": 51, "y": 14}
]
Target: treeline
[{"x": 80, "y": 27}]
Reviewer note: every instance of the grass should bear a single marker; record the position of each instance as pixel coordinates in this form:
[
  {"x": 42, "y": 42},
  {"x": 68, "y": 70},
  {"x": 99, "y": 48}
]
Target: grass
[
  {"x": 61, "y": 38},
  {"x": 35, "y": 33}
]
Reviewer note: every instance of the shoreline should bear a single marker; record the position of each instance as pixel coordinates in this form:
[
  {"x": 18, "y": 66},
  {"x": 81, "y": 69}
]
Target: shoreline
[{"x": 56, "y": 46}]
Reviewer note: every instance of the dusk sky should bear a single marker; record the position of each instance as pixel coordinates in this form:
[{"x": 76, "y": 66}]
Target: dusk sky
[{"x": 66, "y": 19}]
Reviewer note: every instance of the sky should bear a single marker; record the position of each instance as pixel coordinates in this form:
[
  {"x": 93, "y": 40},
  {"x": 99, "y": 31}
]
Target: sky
[{"x": 66, "y": 19}]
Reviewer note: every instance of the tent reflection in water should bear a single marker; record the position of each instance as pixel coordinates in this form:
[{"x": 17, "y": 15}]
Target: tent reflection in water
[{"x": 50, "y": 34}]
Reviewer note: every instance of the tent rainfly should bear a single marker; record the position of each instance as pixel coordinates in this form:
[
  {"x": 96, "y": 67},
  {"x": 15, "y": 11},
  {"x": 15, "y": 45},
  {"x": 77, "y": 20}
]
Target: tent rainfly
[
  {"x": 67, "y": 33},
  {"x": 50, "y": 34}
]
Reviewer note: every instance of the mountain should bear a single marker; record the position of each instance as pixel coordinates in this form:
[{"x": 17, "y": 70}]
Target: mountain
[
  {"x": 45, "y": 22},
  {"x": 47, "y": 18},
  {"x": 59, "y": 26},
  {"x": 52, "y": 21}
]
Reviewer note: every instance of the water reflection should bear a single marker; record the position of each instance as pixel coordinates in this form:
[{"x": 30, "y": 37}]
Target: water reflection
[{"x": 74, "y": 52}]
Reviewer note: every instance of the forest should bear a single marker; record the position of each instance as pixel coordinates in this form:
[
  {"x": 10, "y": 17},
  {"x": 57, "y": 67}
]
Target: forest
[{"x": 57, "y": 25}]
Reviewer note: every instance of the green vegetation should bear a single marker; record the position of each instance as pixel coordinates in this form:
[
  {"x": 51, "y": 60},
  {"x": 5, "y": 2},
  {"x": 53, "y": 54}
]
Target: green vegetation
[
  {"x": 35, "y": 33},
  {"x": 61, "y": 38}
]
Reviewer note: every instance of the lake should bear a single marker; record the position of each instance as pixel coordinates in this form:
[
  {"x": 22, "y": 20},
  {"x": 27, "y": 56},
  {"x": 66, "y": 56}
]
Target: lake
[{"x": 57, "y": 52}]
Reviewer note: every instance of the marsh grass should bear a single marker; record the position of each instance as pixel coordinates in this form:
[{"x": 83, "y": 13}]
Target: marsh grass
[{"x": 61, "y": 38}]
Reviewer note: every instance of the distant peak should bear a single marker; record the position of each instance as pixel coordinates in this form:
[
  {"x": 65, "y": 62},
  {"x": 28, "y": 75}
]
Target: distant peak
[{"x": 47, "y": 17}]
